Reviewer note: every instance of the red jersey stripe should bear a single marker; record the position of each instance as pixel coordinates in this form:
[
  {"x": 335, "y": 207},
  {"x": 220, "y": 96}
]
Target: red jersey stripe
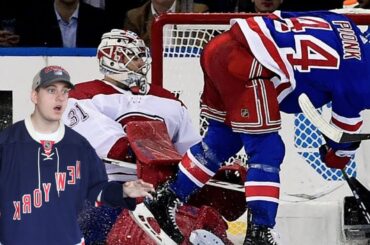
[
  {"x": 345, "y": 126},
  {"x": 194, "y": 170},
  {"x": 268, "y": 191},
  {"x": 275, "y": 55}
]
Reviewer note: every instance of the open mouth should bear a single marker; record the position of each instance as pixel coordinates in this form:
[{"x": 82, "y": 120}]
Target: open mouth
[{"x": 58, "y": 108}]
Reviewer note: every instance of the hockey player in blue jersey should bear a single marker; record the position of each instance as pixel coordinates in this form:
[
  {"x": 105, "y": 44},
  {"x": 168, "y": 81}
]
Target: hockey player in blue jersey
[
  {"x": 47, "y": 171},
  {"x": 252, "y": 72}
]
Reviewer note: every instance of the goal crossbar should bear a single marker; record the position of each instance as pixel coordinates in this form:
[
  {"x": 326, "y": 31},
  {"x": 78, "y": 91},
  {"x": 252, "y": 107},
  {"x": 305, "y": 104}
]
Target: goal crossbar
[{"x": 202, "y": 19}]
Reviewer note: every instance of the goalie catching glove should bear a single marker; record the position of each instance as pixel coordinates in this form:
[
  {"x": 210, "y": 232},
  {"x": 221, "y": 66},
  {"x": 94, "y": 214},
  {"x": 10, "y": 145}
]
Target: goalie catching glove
[{"x": 338, "y": 155}]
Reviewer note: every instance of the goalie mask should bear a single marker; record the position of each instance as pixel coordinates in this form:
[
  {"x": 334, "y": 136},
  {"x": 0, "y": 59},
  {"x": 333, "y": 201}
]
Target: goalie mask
[{"x": 124, "y": 57}]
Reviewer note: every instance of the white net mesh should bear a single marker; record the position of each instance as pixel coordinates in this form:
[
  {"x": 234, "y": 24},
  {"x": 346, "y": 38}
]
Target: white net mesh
[
  {"x": 307, "y": 139},
  {"x": 188, "y": 40}
]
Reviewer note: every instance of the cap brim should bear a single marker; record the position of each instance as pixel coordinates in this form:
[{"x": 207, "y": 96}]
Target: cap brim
[{"x": 57, "y": 80}]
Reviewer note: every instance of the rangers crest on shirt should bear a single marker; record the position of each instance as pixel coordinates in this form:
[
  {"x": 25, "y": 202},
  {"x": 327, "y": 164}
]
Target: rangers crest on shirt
[{"x": 47, "y": 145}]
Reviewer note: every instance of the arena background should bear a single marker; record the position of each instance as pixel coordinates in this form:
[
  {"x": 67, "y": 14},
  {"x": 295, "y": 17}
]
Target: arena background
[{"x": 311, "y": 210}]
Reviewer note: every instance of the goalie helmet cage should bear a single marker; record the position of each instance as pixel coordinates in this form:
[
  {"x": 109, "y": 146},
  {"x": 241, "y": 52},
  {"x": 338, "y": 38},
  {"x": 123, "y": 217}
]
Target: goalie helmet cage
[{"x": 179, "y": 36}]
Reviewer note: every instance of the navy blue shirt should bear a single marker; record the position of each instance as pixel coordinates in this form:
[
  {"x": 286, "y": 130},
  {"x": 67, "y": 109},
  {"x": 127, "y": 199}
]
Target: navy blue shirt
[{"x": 43, "y": 185}]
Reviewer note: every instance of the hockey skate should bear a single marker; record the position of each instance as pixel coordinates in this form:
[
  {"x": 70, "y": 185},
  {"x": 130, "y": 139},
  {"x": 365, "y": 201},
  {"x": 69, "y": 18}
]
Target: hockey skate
[
  {"x": 259, "y": 235},
  {"x": 163, "y": 207}
]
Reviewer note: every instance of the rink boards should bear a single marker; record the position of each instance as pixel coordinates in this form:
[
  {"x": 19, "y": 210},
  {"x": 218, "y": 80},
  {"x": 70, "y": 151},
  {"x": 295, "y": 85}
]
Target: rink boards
[{"x": 311, "y": 195}]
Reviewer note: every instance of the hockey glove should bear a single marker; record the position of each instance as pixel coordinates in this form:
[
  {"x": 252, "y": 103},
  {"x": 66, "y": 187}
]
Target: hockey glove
[
  {"x": 330, "y": 159},
  {"x": 337, "y": 158}
]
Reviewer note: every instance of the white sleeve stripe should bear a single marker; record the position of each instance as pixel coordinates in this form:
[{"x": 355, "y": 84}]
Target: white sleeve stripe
[
  {"x": 191, "y": 177},
  {"x": 262, "y": 54},
  {"x": 199, "y": 165},
  {"x": 344, "y": 153},
  {"x": 80, "y": 243},
  {"x": 98, "y": 199},
  {"x": 262, "y": 198}
]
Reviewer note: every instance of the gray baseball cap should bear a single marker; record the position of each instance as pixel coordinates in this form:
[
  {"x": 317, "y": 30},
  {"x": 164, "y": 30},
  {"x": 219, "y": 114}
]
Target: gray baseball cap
[{"x": 49, "y": 75}]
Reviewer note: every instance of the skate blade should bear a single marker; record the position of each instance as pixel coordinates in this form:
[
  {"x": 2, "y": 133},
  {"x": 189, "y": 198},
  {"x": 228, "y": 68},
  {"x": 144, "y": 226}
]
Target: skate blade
[{"x": 141, "y": 216}]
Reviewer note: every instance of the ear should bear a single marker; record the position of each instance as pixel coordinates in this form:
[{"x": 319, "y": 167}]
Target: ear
[{"x": 34, "y": 96}]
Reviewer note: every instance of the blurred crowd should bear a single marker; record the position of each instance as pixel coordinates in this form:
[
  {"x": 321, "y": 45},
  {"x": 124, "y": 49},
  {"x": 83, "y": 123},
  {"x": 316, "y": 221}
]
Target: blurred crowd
[
  {"x": 80, "y": 23},
  {"x": 5, "y": 109},
  {"x": 5, "y": 120}
]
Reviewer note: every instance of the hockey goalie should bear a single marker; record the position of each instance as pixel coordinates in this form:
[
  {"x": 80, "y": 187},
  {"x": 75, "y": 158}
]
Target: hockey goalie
[
  {"x": 101, "y": 110},
  {"x": 200, "y": 220}
]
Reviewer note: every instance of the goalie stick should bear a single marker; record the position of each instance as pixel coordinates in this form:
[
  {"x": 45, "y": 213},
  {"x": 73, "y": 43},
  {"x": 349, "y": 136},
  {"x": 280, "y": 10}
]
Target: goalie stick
[
  {"x": 326, "y": 128},
  {"x": 127, "y": 165},
  {"x": 361, "y": 194},
  {"x": 120, "y": 170}
]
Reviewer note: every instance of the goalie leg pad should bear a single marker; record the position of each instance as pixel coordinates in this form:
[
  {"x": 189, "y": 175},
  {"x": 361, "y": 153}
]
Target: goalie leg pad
[
  {"x": 125, "y": 231},
  {"x": 189, "y": 218}
]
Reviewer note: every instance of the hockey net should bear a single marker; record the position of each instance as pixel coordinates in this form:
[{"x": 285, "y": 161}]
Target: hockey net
[{"x": 177, "y": 42}]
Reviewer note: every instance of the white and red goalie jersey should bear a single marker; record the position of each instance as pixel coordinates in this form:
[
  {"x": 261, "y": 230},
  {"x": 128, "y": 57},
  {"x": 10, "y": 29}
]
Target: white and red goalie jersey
[{"x": 99, "y": 111}]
